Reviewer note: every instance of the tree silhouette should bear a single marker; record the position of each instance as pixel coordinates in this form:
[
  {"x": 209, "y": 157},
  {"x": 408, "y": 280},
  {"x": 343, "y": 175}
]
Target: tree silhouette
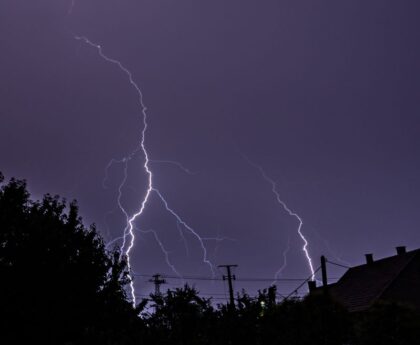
[
  {"x": 388, "y": 323},
  {"x": 182, "y": 317},
  {"x": 59, "y": 285}
]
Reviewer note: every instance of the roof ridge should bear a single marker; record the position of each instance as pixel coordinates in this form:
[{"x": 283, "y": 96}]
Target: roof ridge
[{"x": 414, "y": 251}]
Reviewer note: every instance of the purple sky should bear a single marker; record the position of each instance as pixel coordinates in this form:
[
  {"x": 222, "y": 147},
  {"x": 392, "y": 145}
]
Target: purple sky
[{"x": 323, "y": 94}]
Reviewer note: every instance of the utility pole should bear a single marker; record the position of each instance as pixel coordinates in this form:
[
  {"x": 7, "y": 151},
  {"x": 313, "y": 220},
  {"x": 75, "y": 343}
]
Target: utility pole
[
  {"x": 158, "y": 281},
  {"x": 324, "y": 271},
  {"x": 229, "y": 277}
]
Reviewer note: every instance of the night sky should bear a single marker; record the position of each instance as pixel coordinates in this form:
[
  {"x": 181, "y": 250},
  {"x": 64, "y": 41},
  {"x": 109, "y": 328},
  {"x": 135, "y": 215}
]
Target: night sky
[{"x": 323, "y": 95}]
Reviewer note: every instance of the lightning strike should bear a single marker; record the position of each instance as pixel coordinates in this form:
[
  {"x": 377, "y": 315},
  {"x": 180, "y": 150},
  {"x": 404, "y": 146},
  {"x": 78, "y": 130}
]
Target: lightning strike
[
  {"x": 113, "y": 162},
  {"x": 277, "y": 275},
  {"x": 158, "y": 241},
  {"x": 190, "y": 229},
  {"x": 177, "y": 164},
  {"x": 289, "y": 211},
  {"x": 219, "y": 240},
  {"x": 71, "y": 7},
  {"x": 184, "y": 240},
  {"x": 128, "y": 234},
  {"x": 162, "y": 247},
  {"x": 115, "y": 240}
]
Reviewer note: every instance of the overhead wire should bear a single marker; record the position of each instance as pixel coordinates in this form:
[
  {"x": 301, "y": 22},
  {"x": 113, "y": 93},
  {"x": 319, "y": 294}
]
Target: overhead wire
[
  {"x": 249, "y": 279},
  {"x": 303, "y": 283},
  {"x": 337, "y": 264},
  {"x": 198, "y": 278}
]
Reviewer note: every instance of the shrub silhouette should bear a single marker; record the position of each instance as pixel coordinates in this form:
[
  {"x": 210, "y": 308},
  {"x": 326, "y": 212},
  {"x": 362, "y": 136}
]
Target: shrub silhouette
[{"x": 59, "y": 285}]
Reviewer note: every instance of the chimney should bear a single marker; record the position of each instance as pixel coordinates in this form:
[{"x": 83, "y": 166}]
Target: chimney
[
  {"x": 312, "y": 285},
  {"x": 369, "y": 259},
  {"x": 401, "y": 250}
]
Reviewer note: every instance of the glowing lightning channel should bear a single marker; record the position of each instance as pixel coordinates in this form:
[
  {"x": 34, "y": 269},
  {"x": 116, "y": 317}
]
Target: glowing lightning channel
[
  {"x": 162, "y": 247},
  {"x": 158, "y": 241},
  {"x": 289, "y": 211},
  {"x": 218, "y": 241},
  {"x": 71, "y": 7},
  {"x": 115, "y": 240},
  {"x": 284, "y": 265},
  {"x": 114, "y": 161},
  {"x": 189, "y": 228},
  {"x": 125, "y": 162},
  {"x": 177, "y": 164},
  {"x": 119, "y": 202},
  {"x": 128, "y": 234},
  {"x": 130, "y": 225},
  {"x": 184, "y": 240}
]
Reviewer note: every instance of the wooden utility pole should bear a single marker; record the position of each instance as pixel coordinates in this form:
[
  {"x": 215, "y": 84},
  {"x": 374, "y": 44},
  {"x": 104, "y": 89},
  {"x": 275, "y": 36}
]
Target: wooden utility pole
[
  {"x": 324, "y": 271},
  {"x": 229, "y": 277},
  {"x": 158, "y": 281}
]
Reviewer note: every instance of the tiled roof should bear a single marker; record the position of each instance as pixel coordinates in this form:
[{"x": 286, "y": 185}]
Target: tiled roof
[{"x": 362, "y": 285}]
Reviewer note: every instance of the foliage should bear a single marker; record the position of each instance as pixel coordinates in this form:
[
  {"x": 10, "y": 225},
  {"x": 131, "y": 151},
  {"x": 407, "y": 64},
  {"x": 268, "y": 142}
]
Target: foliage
[
  {"x": 59, "y": 285},
  {"x": 388, "y": 323},
  {"x": 181, "y": 316}
]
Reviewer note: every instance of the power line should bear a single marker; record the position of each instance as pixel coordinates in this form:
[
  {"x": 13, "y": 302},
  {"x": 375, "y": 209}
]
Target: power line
[
  {"x": 306, "y": 280},
  {"x": 285, "y": 296},
  {"x": 209, "y": 297},
  {"x": 180, "y": 278},
  {"x": 337, "y": 264},
  {"x": 221, "y": 279}
]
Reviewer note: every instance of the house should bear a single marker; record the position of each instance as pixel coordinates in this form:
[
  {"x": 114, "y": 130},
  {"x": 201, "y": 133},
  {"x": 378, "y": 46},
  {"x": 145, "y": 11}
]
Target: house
[{"x": 392, "y": 279}]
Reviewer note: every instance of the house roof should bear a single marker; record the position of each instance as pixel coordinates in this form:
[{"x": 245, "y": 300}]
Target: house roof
[{"x": 362, "y": 285}]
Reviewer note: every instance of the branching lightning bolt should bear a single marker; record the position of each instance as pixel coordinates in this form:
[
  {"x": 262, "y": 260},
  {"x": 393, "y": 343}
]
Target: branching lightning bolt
[
  {"x": 158, "y": 241},
  {"x": 177, "y": 164},
  {"x": 218, "y": 240},
  {"x": 162, "y": 247},
  {"x": 189, "y": 228},
  {"x": 71, "y": 7},
  {"x": 115, "y": 240},
  {"x": 284, "y": 265},
  {"x": 289, "y": 211},
  {"x": 128, "y": 234},
  {"x": 184, "y": 240}
]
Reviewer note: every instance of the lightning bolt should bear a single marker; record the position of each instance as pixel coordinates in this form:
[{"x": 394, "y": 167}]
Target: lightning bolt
[
  {"x": 114, "y": 161},
  {"x": 289, "y": 212},
  {"x": 331, "y": 251},
  {"x": 158, "y": 241},
  {"x": 128, "y": 234},
  {"x": 115, "y": 240},
  {"x": 184, "y": 240},
  {"x": 284, "y": 265},
  {"x": 162, "y": 247},
  {"x": 219, "y": 240},
  {"x": 189, "y": 228},
  {"x": 119, "y": 202},
  {"x": 71, "y": 7},
  {"x": 177, "y": 164}
]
